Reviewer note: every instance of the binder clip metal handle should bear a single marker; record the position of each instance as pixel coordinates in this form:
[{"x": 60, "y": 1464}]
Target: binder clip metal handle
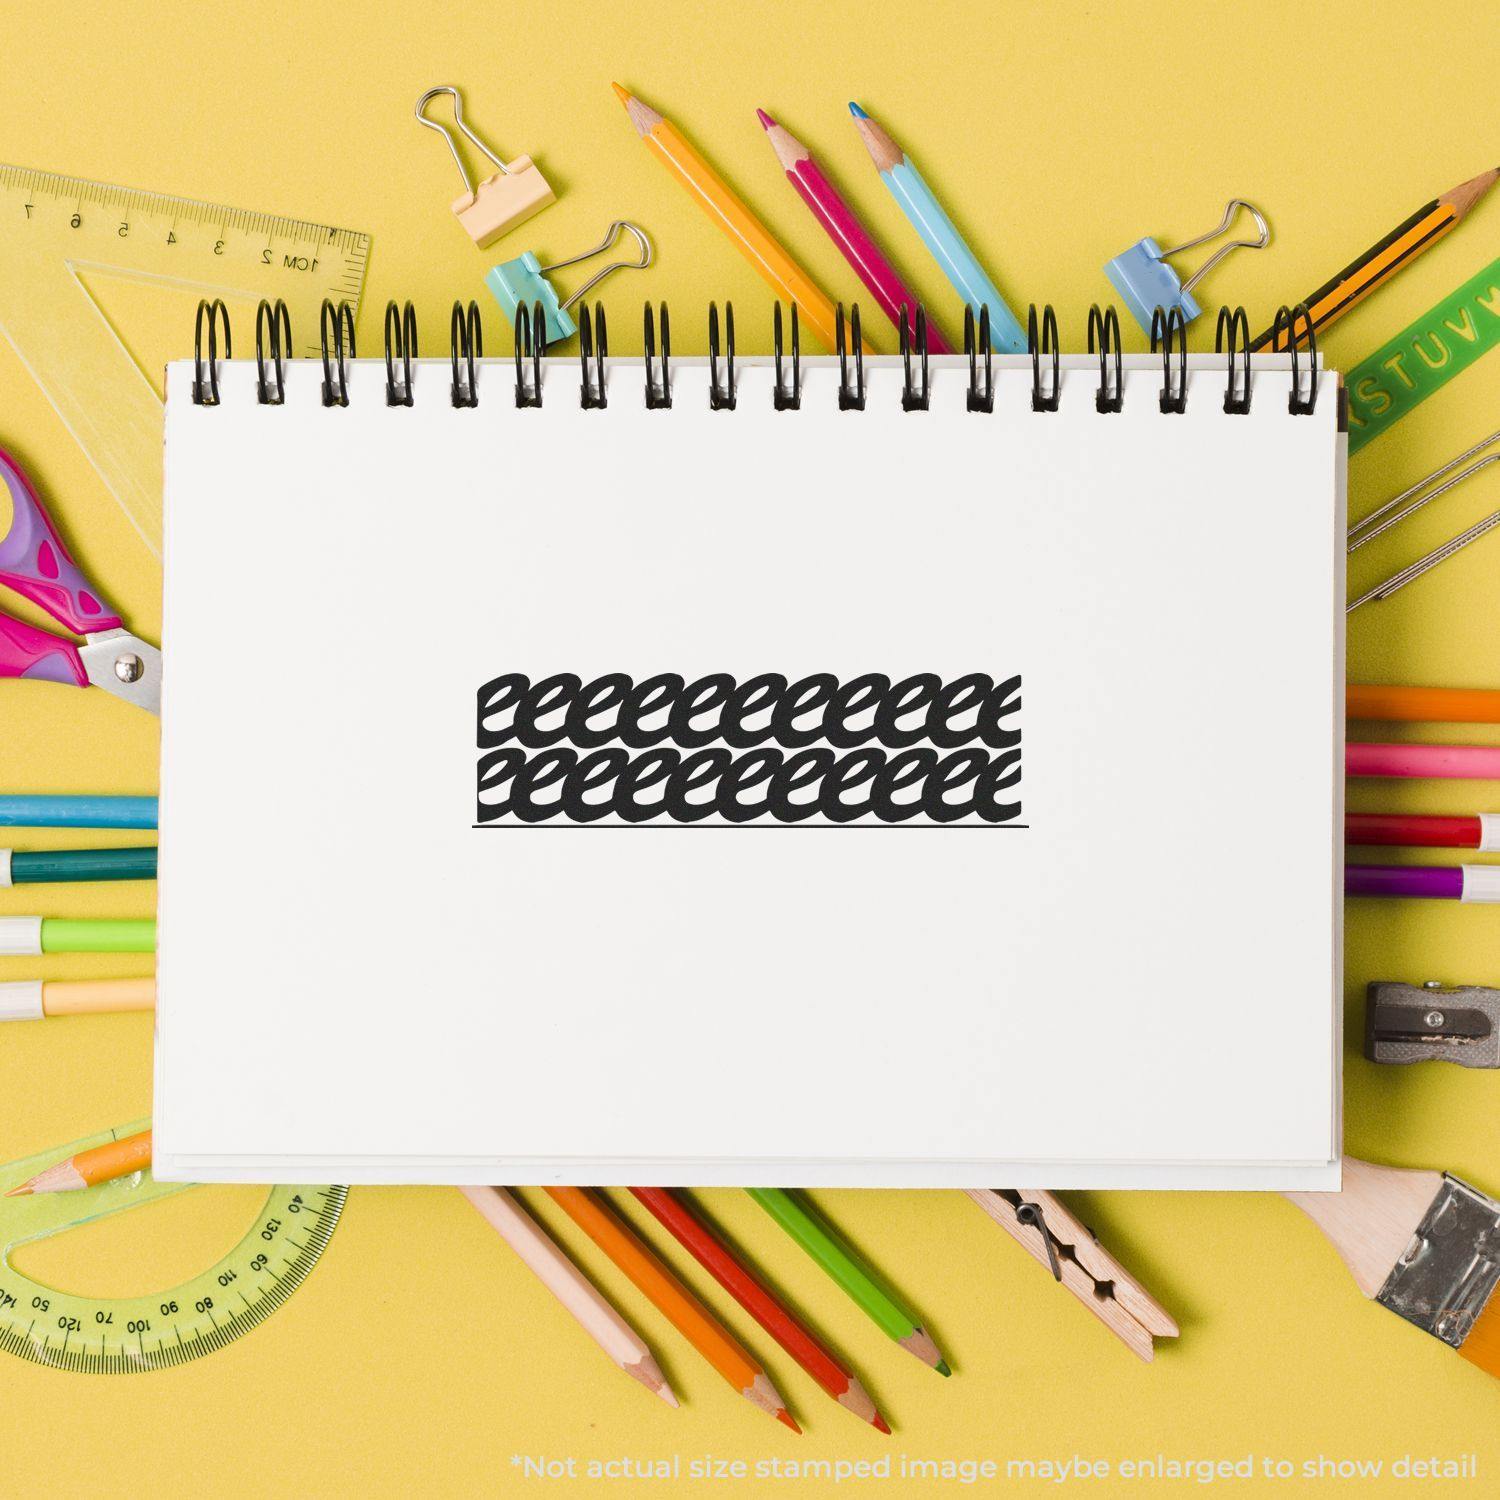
[
  {"x": 523, "y": 281},
  {"x": 507, "y": 197},
  {"x": 1146, "y": 281}
]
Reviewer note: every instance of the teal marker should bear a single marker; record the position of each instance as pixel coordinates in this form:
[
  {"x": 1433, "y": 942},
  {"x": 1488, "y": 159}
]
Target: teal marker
[{"x": 960, "y": 265}]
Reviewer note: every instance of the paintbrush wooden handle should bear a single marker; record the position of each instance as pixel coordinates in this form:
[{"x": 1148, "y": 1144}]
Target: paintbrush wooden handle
[{"x": 1371, "y": 1220}]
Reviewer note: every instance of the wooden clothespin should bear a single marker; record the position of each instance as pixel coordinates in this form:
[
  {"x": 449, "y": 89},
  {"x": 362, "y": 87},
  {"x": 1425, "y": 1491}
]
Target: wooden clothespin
[{"x": 1042, "y": 1226}]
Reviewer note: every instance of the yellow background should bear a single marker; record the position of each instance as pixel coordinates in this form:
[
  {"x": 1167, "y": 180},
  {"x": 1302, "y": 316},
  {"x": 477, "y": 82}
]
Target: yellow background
[{"x": 420, "y": 1356}]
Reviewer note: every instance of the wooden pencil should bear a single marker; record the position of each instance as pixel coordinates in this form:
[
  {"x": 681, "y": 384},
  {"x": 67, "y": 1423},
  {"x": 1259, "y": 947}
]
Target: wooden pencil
[
  {"x": 730, "y": 212},
  {"x": 1385, "y": 258},
  {"x": 1422, "y": 1244},
  {"x": 541, "y": 1255},
  {"x": 673, "y": 1300},
  {"x": 881, "y": 1305},
  {"x": 761, "y": 1303},
  {"x": 844, "y": 227},
  {"x": 118, "y": 1158}
]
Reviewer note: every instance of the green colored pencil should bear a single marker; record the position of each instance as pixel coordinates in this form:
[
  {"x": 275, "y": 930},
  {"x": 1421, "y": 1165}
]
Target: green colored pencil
[
  {"x": 894, "y": 1319},
  {"x": 46, "y": 866}
]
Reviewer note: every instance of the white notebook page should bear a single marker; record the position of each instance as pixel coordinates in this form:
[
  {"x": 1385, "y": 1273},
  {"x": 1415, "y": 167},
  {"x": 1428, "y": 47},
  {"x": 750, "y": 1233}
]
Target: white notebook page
[{"x": 1132, "y": 982}]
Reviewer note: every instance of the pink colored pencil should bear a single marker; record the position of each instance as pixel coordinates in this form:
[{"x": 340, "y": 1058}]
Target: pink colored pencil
[
  {"x": 1474, "y": 762},
  {"x": 853, "y": 239}
]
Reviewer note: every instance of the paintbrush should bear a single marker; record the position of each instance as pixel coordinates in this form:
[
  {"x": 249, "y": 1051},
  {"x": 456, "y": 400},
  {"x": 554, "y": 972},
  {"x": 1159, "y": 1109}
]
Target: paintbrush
[{"x": 1422, "y": 1244}]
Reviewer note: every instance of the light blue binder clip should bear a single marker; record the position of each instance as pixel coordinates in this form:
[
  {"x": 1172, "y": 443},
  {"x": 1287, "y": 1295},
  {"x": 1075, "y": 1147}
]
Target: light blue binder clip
[
  {"x": 1144, "y": 279},
  {"x": 524, "y": 280}
]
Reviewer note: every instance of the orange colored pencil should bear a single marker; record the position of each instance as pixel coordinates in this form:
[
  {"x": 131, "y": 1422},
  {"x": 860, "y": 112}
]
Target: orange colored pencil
[
  {"x": 730, "y": 212},
  {"x": 1423, "y": 704},
  {"x": 1383, "y": 259},
  {"x": 89, "y": 1168},
  {"x": 673, "y": 1300},
  {"x": 761, "y": 1303}
]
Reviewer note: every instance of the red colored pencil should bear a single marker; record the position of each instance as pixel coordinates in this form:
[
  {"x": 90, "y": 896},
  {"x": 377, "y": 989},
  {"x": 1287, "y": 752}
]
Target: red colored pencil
[{"x": 761, "y": 1303}]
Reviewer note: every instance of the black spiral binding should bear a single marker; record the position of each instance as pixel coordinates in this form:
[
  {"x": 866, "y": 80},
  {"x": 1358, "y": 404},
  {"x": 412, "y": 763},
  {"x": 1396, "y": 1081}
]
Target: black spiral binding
[
  {"x": 1104, "y": 336},
  {"x": 658, "y": 397},
  {"x": 466, "y": 348},
  {"x": 333, "y": 323},
  {"x": 787, "y": 398},
  {"x": 979, "y": 400},
  {"x": 721, "y": 398},
  {"x": 1044, "y": 400},
  {"x": 1163, "y": 325},
  {"x": 1232, "y": 337},
  {"x": 206, "y": 372},
  {"x": 273, "y": 329},
  {"x": 593, "y": 340},
  {"x": 1292, "y": 329},
  {"x": 1298, "y": 404},
  {"x": 531, "y": 343},
  {"x": 912, "y": 398},
  {"x": 851, "y": 397},
  {"x": 400, "y": 345}
]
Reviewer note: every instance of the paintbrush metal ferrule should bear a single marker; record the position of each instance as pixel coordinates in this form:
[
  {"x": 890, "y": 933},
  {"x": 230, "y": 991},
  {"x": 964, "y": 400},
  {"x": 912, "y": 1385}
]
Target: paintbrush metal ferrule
[{"x": 1447, "y": 1275}]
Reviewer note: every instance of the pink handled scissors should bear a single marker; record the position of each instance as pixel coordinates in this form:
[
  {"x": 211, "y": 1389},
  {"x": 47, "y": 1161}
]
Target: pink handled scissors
[{"x": 35, "y": 563}]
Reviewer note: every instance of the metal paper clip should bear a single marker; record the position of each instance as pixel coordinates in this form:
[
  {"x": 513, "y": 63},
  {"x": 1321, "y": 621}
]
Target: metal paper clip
[
  {"x": 522, "y": 281},
  {"x": 1384, "y": 517},
  {"x": 504, "y": 199},
  {"x": 1144, "y": 279}
]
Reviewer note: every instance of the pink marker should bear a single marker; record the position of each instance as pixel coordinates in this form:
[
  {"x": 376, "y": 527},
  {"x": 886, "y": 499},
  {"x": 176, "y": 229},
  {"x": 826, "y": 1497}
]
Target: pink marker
[
  {"x": 852, "y": 238},
  {"x": 1475, "y": 762}
]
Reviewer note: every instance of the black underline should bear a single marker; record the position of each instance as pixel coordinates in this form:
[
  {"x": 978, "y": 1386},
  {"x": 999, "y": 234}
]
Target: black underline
[{"x": 750, "y": 827}]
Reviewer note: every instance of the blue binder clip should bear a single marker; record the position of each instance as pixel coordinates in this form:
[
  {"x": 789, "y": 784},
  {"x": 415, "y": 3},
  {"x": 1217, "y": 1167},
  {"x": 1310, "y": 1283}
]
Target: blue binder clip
[
  {"x": 524, "y": 280},
  {"x": 1144, "y": 279}
]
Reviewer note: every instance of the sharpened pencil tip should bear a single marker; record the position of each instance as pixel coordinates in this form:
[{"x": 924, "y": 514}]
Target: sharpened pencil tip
[
  {"x": 19, "y": 1192},
  {"x": 668, "y": 1395},
  {"x": 765, "y": 120},
  {"x": 856, "y": 111},
  {"x": 788, "y": 1420},
  {"x": 621, "y": 92},
  {"x": 880, "y": 1424},
  {"x": 942, "y": 1367}
]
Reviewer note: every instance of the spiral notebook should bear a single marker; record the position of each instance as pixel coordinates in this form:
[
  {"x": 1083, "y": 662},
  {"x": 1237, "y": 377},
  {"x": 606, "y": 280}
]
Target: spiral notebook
[{"x": 882, "y": 792}]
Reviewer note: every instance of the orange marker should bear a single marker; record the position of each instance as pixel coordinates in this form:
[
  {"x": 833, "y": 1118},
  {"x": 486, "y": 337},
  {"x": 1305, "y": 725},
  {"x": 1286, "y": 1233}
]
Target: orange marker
[
  {"x": 89, "y": 1168},
  {"x": 1424, "y": 704},
  {"x": 721, "y": 203},
  {"x": 673, "y": 1300}
]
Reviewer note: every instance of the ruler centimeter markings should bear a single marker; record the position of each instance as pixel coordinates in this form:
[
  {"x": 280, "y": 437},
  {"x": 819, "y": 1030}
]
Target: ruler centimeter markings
[
  {"x": 63, "y": 240},
  {"x": 125, "y": 1335}
]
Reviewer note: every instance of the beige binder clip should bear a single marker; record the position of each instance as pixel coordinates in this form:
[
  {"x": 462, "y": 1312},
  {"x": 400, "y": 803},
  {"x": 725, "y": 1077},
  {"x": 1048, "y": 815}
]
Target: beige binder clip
[
  {"x": 1042, "y": 1226},
  {"x": 505, "y": 198}
]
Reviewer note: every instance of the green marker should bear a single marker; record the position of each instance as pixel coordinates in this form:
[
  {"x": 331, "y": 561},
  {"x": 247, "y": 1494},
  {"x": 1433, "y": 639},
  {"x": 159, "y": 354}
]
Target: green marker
[
  {"x": 27, "y": 937},
  {"x": 51, "y": 866}
]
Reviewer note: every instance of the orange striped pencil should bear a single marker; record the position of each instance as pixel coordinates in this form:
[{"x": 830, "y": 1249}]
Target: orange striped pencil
[
  {"x": 89, "y": 1168},
  {"x": 761, "y": 1303},
  {"x": 730, "y": 212},
  {"x": 673, "y": 1300},
  {"x": 1382, "y": 260}
]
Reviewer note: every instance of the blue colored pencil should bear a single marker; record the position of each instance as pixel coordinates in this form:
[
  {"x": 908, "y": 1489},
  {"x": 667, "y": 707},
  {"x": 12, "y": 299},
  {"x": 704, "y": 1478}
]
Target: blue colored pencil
[
  {"x": 77, "y": 812},
  {"x": 939, "y": 234}
]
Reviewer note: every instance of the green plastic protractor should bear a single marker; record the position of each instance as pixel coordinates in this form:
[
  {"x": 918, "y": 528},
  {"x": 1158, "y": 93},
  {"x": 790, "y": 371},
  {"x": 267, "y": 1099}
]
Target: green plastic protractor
[{"x": 122, "y": 1335}]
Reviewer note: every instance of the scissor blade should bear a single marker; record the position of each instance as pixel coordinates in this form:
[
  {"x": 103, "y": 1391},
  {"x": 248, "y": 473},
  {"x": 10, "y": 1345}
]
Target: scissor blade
[{"x": 124, "y": 665}]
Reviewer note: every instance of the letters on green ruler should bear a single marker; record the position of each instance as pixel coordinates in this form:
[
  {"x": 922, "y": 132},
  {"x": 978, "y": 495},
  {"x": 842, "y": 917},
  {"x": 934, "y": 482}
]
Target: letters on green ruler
[{"x": 1424, "y": 357}]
